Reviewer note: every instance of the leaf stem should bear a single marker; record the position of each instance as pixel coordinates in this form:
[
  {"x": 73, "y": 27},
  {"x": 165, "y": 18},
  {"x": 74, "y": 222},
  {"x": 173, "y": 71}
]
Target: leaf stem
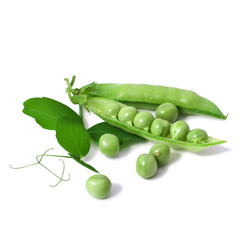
[{"x": 79, "y": 160}]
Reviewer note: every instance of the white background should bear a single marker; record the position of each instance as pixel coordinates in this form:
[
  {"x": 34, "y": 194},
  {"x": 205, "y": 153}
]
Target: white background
[{"x": 186, "y": 44}]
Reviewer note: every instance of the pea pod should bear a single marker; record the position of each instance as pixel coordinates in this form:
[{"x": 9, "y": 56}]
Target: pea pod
[
  {"x": 97, "y": 106},
  {"x": 150, "y": 96}
]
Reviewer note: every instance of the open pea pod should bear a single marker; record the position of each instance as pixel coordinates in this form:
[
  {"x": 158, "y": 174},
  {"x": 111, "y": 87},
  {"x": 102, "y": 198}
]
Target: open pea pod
[{"x": 97, "y": 104}]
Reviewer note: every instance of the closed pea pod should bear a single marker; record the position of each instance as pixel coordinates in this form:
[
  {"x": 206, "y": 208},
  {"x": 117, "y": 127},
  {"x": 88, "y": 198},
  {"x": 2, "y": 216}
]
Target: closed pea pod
[
  {"x": 167, "y": 111},
  {"x": 160, "y": 127},
  {"x": 197, "y": 136},
  {"x": 179, "y": 130},
  {"x": 143, "y": 120},
  {"x": 150, "y": 96}
]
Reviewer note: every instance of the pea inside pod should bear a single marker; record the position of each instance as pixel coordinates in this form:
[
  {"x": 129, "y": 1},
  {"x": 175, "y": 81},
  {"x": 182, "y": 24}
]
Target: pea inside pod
[
  {"x": 179, "y": 130},
  {"x": 112, "y": 110},
  {"x": 197, "y": 136},
  {"x": 143, "y": 120},
  {"x": 167, "y": 111},
  {"x": 160, "y": 127},
  {"x": 127, "y": 114}
]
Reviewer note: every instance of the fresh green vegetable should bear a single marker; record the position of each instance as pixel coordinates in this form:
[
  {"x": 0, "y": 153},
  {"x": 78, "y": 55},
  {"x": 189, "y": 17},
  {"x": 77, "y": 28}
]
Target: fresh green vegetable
[
  {"x": 127, "y": 114},
  {"x": 161, "y": 152},
  {"x": 112, "y": 110},
  {"x": 98, "y": 186},
  {"x": 150, "y": 96},
  {"x": 197, "y": 136},
  {"x": 96, "y": 105},
  {"x": 109, "y": 145},
  {"x": 146, "y": 165},
  {"x": 160, "y": 127},
  {"x": 167, "y": 111},
  {"x": 179, "y": 130},
  {"x": 143, "y": 120}
]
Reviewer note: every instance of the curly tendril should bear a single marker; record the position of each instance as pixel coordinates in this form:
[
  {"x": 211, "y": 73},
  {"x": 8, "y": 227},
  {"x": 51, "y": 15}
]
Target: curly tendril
[{"x": 39, "y": 162}]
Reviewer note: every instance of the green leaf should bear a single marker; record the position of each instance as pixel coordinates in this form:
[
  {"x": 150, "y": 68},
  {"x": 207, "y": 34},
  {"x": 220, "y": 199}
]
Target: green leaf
[
  {"x": 47, "y": 111},
  {"x": 99, "y": 129},
  {"x": 72, "y": 136}
]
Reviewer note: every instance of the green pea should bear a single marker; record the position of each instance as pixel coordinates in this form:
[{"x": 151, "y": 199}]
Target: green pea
[
  {"x": 160, "y": 127},
  {"x": 143, "y": 120},
  {"x": 98, "y": 186},
  {"x": 161, "y": 152},
  {"x": 197, "y": 136},
  {"x": 111, "y": 110},
  {"x": 146, "y": 166},
  {"x": 127, "y": 114},
  {"x": 179, "y": 130},
  {"x": 167, "y": 111},
  {"x": 109, "y": 144}
]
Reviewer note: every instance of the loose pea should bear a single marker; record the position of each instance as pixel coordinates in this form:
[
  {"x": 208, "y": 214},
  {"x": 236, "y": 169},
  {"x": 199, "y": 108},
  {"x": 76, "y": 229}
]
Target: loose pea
[
  {"x": 161, "y": 152},
  {"x": 167, "y": 111},
  {"x": 146, "y": 166},
  {"x": 197, "y": 136},
  {"x": 160, "y": 127},
  {"x": 127, "y": 114},
  {"x": 179, "y": 130},
  {"x": 98, "y": 186},
  {"x": 111, "y": 110},
  {"x": 109, "y": 144},
  {"x": 143, "y": 120}
]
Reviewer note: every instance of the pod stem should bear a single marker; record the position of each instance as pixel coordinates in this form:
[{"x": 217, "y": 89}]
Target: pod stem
[{"x": 78, "y": 95}]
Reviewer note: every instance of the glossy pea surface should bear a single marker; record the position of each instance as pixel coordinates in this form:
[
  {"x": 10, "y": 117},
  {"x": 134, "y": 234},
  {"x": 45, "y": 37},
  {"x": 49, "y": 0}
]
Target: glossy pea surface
[
  {"x": 167, "y": 111},
  {"x": 98, "y": 186},
  {"x": 112, "y": 110},
  {"x": 143, "y": 120},
  {"x": 197, "y": 136},
  {"x": 160, "y": 127},
  {"x": 179, "y": 130},
  {"x": 109, "y": 144},
  {"x": 146, "y": 166},
  {"x": 161, "y": 152},
  {"x": 127, "y": 114}
]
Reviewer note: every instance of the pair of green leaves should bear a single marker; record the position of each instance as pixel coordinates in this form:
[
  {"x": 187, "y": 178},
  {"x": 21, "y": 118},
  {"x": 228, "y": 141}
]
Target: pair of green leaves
[
  {"x": 70, "y": 131},
  {"x": 53, "y": 115}
]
